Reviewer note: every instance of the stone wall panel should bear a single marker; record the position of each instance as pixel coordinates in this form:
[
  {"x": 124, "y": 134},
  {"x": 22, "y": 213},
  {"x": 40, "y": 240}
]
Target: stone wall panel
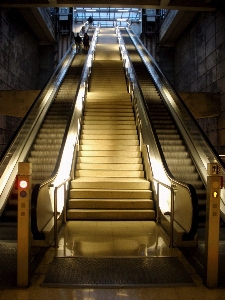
[
  {"x": 210, "y": 45},
  {"x": 220, "y": 52},
  {"x": 204, "y": 40},
  {"x": 19, "y": 63},
  {"x": 210, "y": 30}
]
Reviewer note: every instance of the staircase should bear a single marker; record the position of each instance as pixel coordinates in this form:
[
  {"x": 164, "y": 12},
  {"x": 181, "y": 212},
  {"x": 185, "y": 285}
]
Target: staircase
[{"x": 109, "y": 180}]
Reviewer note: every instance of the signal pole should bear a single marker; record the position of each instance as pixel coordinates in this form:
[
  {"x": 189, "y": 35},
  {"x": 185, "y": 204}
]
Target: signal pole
[
  {"x": 23, "y": 226},
  {"x": 214, "y": 185}
]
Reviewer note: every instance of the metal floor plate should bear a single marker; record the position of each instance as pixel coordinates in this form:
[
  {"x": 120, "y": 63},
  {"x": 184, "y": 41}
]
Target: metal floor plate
[
  {"x": 8, "y": 262},
  {"x": 196, "y": 257},
  {"x": 8, "y": 232},
  {"x": 116, "y": 272}
]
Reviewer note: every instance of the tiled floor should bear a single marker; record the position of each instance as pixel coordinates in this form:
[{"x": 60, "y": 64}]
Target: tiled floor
[{"x": 141, "y": 238}]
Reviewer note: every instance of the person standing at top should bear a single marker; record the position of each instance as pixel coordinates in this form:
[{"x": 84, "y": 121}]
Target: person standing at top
[
  {"x": 86, "y": 41},
  {"x": 90, "y": 21},
  {"x": 78, "y": 42}
]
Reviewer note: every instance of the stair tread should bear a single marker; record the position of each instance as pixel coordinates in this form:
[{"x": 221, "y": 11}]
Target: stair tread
[
  {"x": 112, "y": 210},
  {"x": 109, "y": 173},
  {"x": 111, "y": 190},
  {"x": 112, "y": 200},
  {"x": 109, "y": 166},
  {"x": 107, "y": 179}
]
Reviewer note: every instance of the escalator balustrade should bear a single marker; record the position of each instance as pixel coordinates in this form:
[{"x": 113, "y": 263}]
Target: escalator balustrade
[{"x": 175, "y": 152}]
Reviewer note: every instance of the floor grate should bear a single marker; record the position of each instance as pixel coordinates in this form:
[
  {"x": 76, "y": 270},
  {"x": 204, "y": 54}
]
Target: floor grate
[{"x": 116, "y": 272}]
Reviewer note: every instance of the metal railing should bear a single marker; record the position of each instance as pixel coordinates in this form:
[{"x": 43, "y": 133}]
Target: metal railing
[
  {"x": 173, "y": 189},
  {"x": 56, "y": 207}
]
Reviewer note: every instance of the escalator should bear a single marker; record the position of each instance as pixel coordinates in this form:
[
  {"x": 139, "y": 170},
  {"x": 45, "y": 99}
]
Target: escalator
[
  {"x": 45, "y": 148},
  {"x": 177, "y": 152}
]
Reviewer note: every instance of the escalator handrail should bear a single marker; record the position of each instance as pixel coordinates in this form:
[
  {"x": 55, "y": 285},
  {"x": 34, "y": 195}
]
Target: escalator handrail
[
  {"x": 202, "y": 155},
  {"x": 148, "y": 139}
]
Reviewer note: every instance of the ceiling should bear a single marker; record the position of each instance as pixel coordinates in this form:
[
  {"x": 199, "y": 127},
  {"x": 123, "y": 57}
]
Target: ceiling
[{"x": 197, "y": 5}]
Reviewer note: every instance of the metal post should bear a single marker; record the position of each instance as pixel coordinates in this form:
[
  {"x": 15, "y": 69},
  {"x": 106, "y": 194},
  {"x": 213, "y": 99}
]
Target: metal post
[
  {"x": 23, "y": 225},
  {"x": 65, "y": 204},
  {"x": 158, "y": 218},
  {"x": 173, "y": 195},
  {"x": 214, "y": 184},
  {"x": 55, "y": 218}
]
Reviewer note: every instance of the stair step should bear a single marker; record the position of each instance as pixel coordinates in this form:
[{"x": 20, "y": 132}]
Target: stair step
[
  {"x": 109, "y": 159},
  {"x": 109, "y": 166},
  {"x": 108, "y": 110},
  {"x": 10, "y": 214},
  {"x": 128, "y": 143},
  {"x": 100, "y": 113},
  {"x": 110, "y": 183},
  {"x": 106, "y": 99},
  {"x": 179, "y": 161},
  {"x": 108, "y": 118},
  {"x": 111, "y": 203},
  {"x": 108, "y": 137},
  {"x": 110, "y": 194},
  {"x": 108, "y": 126},
  {"x": 100, "y": 106},
  {"x": 106, "y": 146},
  {"x": 113, "y": 153},
  {"x": 109, "y": 173},
  {"x": 108, "y": 131},
  {"x": 108, "y": 122},
  {"x": 110, "y": 214}
]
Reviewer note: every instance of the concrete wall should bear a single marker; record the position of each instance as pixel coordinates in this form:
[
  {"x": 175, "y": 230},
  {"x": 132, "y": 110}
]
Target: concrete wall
[
  {"x": 19, "y": 53},
  {"x": 200, "y": 67},
  {"x": 166, "y": 63},
  {"x": 8, "y": 126},
  {"x": 19, "y": 64}
]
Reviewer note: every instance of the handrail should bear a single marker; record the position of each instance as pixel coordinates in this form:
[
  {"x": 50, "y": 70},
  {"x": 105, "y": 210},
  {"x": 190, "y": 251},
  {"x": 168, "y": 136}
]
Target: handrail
[
  {"x": 56, "y": 208},
  {"x": 156, "y": 159},
  {"x": 200, "y": 147},
  {"x": 173, "y": 189}
]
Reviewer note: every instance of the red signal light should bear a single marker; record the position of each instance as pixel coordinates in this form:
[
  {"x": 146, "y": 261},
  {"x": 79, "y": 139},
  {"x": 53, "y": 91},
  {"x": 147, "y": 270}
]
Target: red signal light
[{"x": 23, "y": 184}]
